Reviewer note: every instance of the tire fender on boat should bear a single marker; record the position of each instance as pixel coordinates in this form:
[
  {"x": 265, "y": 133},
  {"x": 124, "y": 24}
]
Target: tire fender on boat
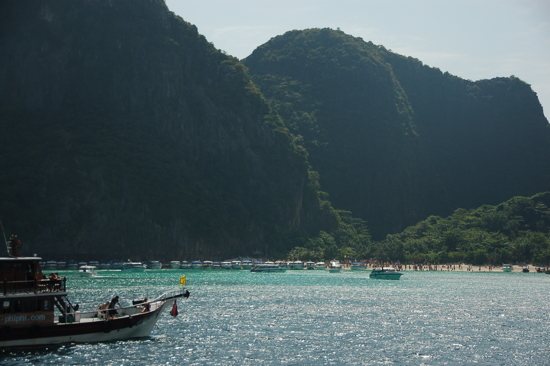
[{"x": 107, "y": 326}]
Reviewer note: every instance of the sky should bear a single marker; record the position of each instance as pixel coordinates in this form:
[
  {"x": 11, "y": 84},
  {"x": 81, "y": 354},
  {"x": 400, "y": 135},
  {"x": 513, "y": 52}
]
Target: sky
[{"x": 472, "y": 39}]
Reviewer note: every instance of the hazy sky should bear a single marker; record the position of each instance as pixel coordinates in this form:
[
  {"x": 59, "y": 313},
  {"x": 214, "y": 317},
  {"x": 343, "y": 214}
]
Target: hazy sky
[{"x": 472, "y": 39}]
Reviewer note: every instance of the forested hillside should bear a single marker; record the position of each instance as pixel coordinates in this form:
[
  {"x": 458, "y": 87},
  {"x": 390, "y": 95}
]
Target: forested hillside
[
  {"x": 514, "y": 231},
  {"x": 395, "y": 141},
  {"x": 126, "y": 134}
]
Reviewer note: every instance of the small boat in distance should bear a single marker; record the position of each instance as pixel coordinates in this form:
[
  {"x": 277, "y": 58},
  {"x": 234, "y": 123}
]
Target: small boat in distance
[
  {"x": 385, "y": 273},
  {"x": 358, "y": 266},
  {"x": 175, "y": 264},
  {"x": 507, "y": 268},
  {"x": 335, "y": 267},
  {"x": 87, "y": 271},
  {"x": 320, "y": 265},
  {"x": 133, "y": 267},
  {"x": 267, "y": 268},
  {"x": 154, "y": 265}
]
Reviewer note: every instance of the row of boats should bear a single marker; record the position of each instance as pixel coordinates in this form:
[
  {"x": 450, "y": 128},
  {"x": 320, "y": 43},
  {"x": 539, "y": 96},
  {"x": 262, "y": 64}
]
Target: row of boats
[{"x": 333, "y": 266}]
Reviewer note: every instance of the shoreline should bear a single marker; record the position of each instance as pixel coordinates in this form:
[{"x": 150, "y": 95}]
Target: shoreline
[{"x": 463, "y": 268}]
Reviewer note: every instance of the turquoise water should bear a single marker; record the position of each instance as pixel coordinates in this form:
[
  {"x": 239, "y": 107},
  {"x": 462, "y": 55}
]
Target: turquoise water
[{"x": 319, "y": 318}]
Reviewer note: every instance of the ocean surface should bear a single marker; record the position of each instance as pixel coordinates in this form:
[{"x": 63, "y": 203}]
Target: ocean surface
[{"x": 318, "y": 318}]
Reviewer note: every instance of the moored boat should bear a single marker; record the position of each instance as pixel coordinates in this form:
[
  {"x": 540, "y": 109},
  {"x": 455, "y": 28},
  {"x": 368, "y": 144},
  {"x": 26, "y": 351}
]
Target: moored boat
[
  {"x": 385, "y": 273},
  {"x": 236, "y": 265},
  {"x": 61, "y": 265},
  {"x": 133, "y": 267},
  {"x": 310, "y": 265},
  {"x": 154, "y": 265},
  {"x": 335, "y": 267},
  {"x": 207, "y": 265},
  {"x": 116, "y": 264},
  {"x": 320, "y": 265},
  {"x": 87, "y": 271},
  {"x": 507, "y": 268},
  {"x": 358, "y": 266},
  {"x": 29, "y": 317},
  {"x": 226, "y": 265},
  {"x": 267, "y": 268},
  {"x": 196, "y": 265},
  {"x": 247, "y": 264},
  {"x": 72, "y": 265},
  {"x": 51, "y": 265},
  {"x": 175, "y": 264},
  {"x": 296, "y": 265},
  {"x": 185, "y": 265}
]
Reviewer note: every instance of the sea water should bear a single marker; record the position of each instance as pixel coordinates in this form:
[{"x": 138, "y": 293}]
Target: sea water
[{"x": 319, "y": 318}]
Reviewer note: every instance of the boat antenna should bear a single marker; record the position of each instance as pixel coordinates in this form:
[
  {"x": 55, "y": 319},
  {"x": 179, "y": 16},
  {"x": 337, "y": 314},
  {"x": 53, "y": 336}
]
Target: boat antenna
[{"x": 5, "y": 240}]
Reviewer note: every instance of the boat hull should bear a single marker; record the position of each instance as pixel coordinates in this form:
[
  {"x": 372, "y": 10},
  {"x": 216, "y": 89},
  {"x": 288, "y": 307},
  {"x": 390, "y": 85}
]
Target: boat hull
[
  {"x": 96, "y": 330},
  {"x": 382, "y": 275}
]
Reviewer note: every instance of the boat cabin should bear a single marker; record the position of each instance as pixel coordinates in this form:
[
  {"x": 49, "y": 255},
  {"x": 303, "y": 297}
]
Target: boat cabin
[{"x": 26, "y": 297}]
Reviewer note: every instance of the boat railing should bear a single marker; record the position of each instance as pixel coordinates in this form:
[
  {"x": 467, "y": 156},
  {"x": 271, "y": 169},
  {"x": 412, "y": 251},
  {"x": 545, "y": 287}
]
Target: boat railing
[
  {"x": 137, "y": 307},
  {"x": 34, "y": 286}
]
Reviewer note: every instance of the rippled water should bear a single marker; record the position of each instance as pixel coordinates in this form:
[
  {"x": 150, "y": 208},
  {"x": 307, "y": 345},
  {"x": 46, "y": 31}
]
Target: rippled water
[{"x": 315, "y": 317}]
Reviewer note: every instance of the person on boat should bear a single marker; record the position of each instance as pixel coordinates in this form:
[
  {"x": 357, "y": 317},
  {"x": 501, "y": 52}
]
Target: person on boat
[
  {"x": 146, "y": 306},
  {"x": 15, "y": 245},
  {"x": 112, "y": 311},
  {"x": 54, "y": 283},
  {"x": 103, "y": 309}
]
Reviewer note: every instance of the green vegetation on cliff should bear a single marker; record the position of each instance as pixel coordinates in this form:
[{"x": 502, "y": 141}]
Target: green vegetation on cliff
[{"x": 514, "y": 231}]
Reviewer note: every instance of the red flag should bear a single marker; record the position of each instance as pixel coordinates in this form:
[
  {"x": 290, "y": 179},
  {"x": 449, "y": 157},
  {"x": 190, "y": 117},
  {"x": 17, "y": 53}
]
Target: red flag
[{"x": 174, "y": 311}]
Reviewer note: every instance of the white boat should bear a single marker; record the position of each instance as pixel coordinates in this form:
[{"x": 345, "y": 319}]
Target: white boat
[
  {"x": 335, "y": 267},
  {"x": 226, "y": 265},
  {"x": 104, "y": 265},
  {"x": 310, "y": 265},
  {"x": 185, "y": 265},
  {"x": 267, "y": 268},
  {"x": 358, "y": 266},
  {"x": 507, "y": 268},
  {"x": 155, "y": 265},
  {"x": 216, "y": 265},
  {"x": 236, "y": 265},
  {"x": 175, "y": 264},
  {"x": 385, "y": 273},
  {"x": 320, "y": 265},
  {"x": 61, "y": 265},
  {"x": 87, "y": 271},
  {"x": 196, "y": 265},
  {"x": 247, "y": 264},
  {"x": 37, "y": 323},
  {"x": 93, "y": 263},
  {"x": 207, "y": 265},
  {"x": 72, "y": 265},
  {"x": 133, "y": 267}
]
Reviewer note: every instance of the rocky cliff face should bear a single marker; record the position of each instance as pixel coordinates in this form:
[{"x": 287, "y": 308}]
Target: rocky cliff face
[
  {"x": 394, "y": 140},
  {"x": 129, "y": 135}
]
